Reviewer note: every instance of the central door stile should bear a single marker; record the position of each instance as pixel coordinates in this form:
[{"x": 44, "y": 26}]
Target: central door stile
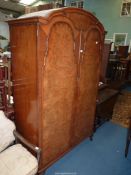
[
  {"x": 80, "y": 58},
  {"x": 76, "y": 54},
  {"x": 79, "y": 50}
]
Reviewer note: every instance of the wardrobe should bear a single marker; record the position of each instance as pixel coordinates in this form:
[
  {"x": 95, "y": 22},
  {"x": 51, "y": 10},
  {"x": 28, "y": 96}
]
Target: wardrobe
[{"x": 56, "y": 56}]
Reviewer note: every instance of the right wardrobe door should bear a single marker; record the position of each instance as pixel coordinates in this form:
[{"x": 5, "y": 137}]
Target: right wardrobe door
[{"x": 89, "y": 64}]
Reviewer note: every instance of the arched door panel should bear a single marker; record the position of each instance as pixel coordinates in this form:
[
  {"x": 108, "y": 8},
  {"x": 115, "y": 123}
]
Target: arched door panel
[
  {"x": 87, "y": 85},
  {"x": 58, "y": 90}
]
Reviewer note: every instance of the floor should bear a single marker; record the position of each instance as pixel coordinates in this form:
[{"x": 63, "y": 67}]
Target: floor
[
  {"x": 128, "y": 88},
  {"x": 102, "y": 156},
  {"x": 122, "y": 109}
]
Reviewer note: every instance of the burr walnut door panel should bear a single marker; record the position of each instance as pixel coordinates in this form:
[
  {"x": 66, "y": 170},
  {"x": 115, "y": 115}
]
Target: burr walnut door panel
[
  {"x": 90, "y": 52},
  {"x": 58, "y": 91}
]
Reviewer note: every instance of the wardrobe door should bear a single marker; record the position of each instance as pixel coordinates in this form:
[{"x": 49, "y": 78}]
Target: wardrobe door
[
  {"x": 58, "y": 91},
  {"x": 87, "y": 83}
]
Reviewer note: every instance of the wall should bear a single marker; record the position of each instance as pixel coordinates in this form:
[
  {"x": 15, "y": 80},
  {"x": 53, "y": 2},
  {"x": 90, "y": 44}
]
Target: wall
[
  {"x": 108, "y": 12},
  {"x": 4, "y": 29}
]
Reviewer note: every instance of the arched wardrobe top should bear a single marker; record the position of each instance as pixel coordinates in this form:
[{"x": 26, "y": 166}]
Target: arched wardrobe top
[{"x": 72, "y": 13}]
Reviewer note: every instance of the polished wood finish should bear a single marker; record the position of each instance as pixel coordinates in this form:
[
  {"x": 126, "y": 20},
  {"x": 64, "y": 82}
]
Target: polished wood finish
[
  {"x": 56, "y": 65},
  {"x": 122, "y": 51},
  {"x": 106, "y": 97},
  {"x": 106, "y": 100},
  {"x": 105, "y": 60},
  {"x": 118, "y": 72}
]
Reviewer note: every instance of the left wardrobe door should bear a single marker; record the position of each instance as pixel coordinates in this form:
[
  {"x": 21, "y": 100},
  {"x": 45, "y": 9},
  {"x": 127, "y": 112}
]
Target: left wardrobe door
[{"x": 59, "y": 84}]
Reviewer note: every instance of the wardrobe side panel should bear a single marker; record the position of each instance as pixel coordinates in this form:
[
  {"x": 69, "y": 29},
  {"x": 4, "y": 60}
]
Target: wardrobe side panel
[{"x": 23, "y": 49}]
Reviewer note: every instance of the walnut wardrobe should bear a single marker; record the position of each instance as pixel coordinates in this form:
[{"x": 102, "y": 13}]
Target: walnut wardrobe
[{"x": 56, "y": 57}]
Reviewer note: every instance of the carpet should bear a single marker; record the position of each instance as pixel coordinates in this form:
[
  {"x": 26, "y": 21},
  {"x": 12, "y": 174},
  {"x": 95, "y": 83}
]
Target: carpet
[
  {"x": 122, "y": 109},
  {"x": 102, "y": 156}
]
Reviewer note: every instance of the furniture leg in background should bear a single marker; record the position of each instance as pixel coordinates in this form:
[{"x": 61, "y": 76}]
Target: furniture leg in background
[{"x": 128, "y": 140}]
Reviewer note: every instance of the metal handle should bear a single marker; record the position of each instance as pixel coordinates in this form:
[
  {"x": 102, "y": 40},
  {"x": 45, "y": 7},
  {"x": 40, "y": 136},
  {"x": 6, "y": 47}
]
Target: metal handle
[{"x": 81, "y": 51}]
